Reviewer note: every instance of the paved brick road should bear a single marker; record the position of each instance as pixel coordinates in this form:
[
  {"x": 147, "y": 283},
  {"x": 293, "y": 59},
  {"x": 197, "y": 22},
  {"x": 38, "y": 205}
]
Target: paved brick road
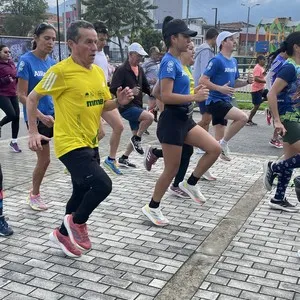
[{"x": 233, "y": 247}]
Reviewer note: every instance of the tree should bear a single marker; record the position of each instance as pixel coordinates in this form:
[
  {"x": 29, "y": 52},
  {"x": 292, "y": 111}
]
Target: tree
[
  {"x": 122, "y": 17},
  {"x": 149, "y": 37},
  {"x": 22, "y": 15}
]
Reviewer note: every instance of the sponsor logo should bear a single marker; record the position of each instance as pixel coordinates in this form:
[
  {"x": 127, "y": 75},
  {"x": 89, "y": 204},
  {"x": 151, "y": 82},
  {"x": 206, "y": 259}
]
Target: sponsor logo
[{"x": 94, "y": 102}]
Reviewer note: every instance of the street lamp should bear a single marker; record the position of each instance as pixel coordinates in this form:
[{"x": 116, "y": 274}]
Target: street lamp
[
  {"x": 248, "y": 19},
  {"x": 216, "y": 16}
]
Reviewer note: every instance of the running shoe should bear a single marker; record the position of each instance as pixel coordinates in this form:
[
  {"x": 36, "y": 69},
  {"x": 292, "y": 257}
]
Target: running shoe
[
  {"x": 193, "y": 191},
  {"x": 112, "y": 166},
  {"x": 275, "y": 143},
  {"x": 15, "y": 147},
  {"x": 155, "y": 215},
  {"x": 36, "y": 203},
  {"x": 147, "y": 132},
  {"x": 78, "y": 233},
  {"x": 200, "y": 151},
  {"x": 269, "y": 175},
  {"x": 65, "y": 243},
  {"x": 124, "y": 162},
  {"x": 149, "y": 158},
  {"x": 225, "y": 153},
  {"x": 5, "y": 229},
  {"x": 137, "y": 144},
  {"x": 283, "y": 205},
  {"x": 208, "y": 176},
  {"x": 250, "y": 123},
  {"x": 177, "y": 191}
]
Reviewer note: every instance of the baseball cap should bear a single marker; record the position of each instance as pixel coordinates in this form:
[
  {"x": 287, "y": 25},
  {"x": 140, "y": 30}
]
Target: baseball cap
[
  {"x": 136, "y": 47},
  {"x": 178, "y": 26},
  {"x": 224, "y": 35}
]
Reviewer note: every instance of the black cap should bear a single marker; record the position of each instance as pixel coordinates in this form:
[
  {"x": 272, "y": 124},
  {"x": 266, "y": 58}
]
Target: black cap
[{"x": 178, "y": 26}]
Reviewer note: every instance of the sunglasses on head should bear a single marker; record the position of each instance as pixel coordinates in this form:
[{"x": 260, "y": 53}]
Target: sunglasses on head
[{"x": 42, "y": 27}]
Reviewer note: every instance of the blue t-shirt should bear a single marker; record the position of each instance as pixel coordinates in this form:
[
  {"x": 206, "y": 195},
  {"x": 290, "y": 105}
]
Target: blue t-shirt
[
  {"x": 33, "y": 69},
  {"x": 171, "y": 67},
  {"x": 289, "y": 97},
  {"x": 276, "y": 65},
  {"x": 221, "y": 70}
]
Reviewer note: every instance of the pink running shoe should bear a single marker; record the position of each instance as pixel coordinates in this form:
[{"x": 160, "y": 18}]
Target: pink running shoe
[
  {"x": 149, "y": 158},
  {"x": 64, "y": 242},
  {"x": 36, "y": 203},
  {"x": 275, "y": 143},
  {"x": 78, "y": 233}
]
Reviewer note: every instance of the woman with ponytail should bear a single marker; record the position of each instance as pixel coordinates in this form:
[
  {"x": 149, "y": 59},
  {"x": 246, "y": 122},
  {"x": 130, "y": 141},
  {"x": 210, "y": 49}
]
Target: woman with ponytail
[
  {"x": 31, "y": 68},
  {"x": 176, "y": 126},
  {"x": 284, "y": 102}
]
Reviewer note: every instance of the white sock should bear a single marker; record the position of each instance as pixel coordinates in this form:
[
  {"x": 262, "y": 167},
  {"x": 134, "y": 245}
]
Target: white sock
[{"x": 14, "y": 141}]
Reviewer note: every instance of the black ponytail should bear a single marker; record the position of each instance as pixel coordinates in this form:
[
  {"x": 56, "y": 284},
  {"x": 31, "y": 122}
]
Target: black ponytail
[{"x": 167, "y": 39}]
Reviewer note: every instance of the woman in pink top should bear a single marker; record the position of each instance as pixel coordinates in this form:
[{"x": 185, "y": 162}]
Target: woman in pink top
[{"x": 258, "y": 91}]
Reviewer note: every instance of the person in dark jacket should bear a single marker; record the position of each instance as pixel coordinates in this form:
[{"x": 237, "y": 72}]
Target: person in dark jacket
[
  {"x": 8, "y": 96},
  {"x": 131, "y": 74}
]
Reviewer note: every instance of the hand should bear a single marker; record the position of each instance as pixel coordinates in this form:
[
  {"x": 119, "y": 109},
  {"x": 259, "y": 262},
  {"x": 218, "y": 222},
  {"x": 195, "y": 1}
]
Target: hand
[
  {"x": 250, "y": 79},
  {"x": 280, "y": 129},
  {"x": 35, "y": 139},
  {"x": 200, "y": 93},
  {"x": 124, "y": 96},
  {"x": 10, "y": 78},
  {"x": 101, "y": 134},
  {"x": 136, "y": 90},
  {"x": 226, "y": 89},
  {"x": 47, "y": 120}
]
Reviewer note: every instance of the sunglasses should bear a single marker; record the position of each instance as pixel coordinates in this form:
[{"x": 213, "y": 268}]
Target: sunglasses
[{"x": 43, "y": 26}]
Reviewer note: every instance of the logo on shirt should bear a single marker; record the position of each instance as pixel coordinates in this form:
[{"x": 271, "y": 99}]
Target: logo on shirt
[
  {"x": 94, "y": 102},
  {"x": 209, "y": 66},
  {"x": 230, "y": 70},
  {"x": 39, "y": 73},
  {"x": 170, "y": 66},
  {"x": 21, "y": 66}
]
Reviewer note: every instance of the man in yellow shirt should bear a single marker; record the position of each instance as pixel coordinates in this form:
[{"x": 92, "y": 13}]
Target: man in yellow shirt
[{"x": 80, "y": 95}]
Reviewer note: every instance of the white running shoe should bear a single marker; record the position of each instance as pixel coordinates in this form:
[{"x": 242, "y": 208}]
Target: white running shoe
[
  {"x": 193, "y": 191},
  {"x": 155, "y": 215},
  {"x": 208, "y": 176},
  {"x": 199, "y": 151},
  {"x": 225, "y": 153}
]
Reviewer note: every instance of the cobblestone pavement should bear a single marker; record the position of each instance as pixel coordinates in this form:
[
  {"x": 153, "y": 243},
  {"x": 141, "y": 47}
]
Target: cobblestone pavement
[{"x": 233, "y": 247}]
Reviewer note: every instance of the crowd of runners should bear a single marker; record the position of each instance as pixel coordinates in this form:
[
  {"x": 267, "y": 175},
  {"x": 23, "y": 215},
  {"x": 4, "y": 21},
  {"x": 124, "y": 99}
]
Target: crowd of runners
[{"x": 71, "y": 99}]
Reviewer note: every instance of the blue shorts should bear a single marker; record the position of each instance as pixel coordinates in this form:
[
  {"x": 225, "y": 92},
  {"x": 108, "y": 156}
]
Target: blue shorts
[
  {"x": 259, "y": 96},
  {"x": 202, "y": 107},
  {"x": 132, "y": 114}
]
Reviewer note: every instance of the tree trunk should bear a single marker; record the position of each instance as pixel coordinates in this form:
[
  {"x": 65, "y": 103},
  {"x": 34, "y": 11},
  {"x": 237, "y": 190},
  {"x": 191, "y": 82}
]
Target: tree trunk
[{"x": 121, "y": 49}]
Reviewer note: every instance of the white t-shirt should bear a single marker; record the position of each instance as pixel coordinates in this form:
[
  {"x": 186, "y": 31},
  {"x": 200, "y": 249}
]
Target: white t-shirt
[{"x": 101, "y": 61}]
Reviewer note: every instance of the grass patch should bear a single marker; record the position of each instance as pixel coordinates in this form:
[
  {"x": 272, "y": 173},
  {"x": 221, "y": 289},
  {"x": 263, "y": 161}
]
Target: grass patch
[{"x": 244, "y": 101}]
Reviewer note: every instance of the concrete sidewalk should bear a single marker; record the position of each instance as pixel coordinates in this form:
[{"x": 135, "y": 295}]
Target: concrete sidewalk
[{"x": 233, "y": 247}]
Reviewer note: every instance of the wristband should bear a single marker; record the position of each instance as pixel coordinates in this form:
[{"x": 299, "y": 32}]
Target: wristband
[{"x": 117, "y": 102}]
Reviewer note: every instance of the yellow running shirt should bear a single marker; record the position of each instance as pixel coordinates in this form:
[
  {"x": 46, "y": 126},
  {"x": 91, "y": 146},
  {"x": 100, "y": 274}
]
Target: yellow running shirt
[
  {"x": 78, "y": 95},
  {"x": 192, "y": 82}
]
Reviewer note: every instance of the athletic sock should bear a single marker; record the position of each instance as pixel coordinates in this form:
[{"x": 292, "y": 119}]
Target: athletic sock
[
  {"x": 192, "y": 180},
  {"x": 14, "y": 141},
  {"x": 153, "y": 204},
  {"x": 63, "y": 230},
  {"x": 124, "y": 157},
  {"x": 111, "y": 159}
]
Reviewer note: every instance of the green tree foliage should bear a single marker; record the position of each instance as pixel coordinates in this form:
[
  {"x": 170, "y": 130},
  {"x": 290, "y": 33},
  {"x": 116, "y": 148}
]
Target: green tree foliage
[
  {"x": 149, "y": 37},
  {"x": 22, "y": 15},
  {"x": 122, "y": 17}
]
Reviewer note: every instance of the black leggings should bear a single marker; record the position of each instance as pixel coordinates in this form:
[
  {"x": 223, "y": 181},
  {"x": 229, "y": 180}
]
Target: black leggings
[
  {"x": 187, "y": 152},
  {"x": 91, "y": 185},
  {"x": 10, "y": 106}
]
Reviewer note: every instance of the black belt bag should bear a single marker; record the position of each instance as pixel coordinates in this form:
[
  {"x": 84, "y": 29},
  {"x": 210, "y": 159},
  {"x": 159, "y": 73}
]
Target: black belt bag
[{"x": 182, "y": 112}]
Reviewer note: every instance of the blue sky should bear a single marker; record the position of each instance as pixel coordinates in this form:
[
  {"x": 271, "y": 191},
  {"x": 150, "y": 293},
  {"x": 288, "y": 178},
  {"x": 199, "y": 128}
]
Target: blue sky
[{"x": 232, "y": 10}]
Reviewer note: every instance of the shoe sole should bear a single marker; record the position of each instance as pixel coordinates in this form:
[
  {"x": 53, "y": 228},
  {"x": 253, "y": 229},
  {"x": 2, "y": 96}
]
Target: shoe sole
[
  {"x": 226, "y": 158},
  {"x": 145, "y": 158},
  {"x": 13, "y": 150},
  {"x": 278, "y": 207},
  {"x": 267, "y": 186},
  {"x": 209, "y": 178},
  {"x": 55, "y": 240},
  {"x": 280, "y": 147},
  {"x": 153, "y": 220},
  {"x": 35, "y": 208},
  {"x": 111, "y": 170},
  {"x": 177, "y": 195},
  {"x": 201, "y": 202},
  {"x": 135, "y": 149},
  {"x": 71, "y": 235}
]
